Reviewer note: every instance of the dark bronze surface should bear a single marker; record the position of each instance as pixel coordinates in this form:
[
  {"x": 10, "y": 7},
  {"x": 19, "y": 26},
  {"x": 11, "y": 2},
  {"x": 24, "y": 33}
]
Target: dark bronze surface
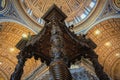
[{"x": 58, "y": 47}]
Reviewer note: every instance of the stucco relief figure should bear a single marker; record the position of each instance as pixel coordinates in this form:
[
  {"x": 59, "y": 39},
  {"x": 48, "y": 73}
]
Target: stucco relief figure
[{"x": 2, "y": 4}]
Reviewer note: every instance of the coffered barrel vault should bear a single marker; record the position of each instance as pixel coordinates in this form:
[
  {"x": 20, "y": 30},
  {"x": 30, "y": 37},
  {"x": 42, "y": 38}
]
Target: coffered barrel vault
[
  {"x": 10, "y": 34},
  {"x": 107, "y": 36},
  {"x": 82, "y": 13}
]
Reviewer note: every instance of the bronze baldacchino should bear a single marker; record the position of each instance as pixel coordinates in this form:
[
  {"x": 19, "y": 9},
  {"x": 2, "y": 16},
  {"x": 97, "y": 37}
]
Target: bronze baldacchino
[{"x": 58, "y": 47}]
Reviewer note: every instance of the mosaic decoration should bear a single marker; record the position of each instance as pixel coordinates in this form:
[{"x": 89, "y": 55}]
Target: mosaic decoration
[
  {"x": 117, "y": 3},
  {"x": 8, "y": 11},
  {"x": 110, "y": 10},
  {"x": 2, "y": 4},
  {"x": 76, "y": 10}
]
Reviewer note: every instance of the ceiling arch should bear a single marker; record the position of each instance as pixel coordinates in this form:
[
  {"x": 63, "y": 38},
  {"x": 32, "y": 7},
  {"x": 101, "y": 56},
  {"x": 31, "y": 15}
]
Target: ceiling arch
[
  {"x": 108, "y": 55},
  {"x": 10, "y": 34},
  {"x": 76, "y": 10},
  {"x": 33, "y": 28},
  {"x": 107, "y": 37},
  {"x": 28, "y": 10}
]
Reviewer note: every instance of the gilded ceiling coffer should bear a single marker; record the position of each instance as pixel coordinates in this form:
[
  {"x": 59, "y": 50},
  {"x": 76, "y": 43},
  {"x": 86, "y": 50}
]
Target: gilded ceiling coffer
[{"x": 58, "y": 47}]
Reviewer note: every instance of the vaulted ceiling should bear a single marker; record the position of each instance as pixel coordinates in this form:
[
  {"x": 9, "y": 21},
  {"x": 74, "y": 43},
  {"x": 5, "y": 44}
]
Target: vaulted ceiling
[
  {"x": 81, "y": 13},
  {"x": 107, "y": 37},
  {"x": 76, "y": 10},
  {"x": 105, "y": 34},
  {"x": 10, "y": 34}
]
